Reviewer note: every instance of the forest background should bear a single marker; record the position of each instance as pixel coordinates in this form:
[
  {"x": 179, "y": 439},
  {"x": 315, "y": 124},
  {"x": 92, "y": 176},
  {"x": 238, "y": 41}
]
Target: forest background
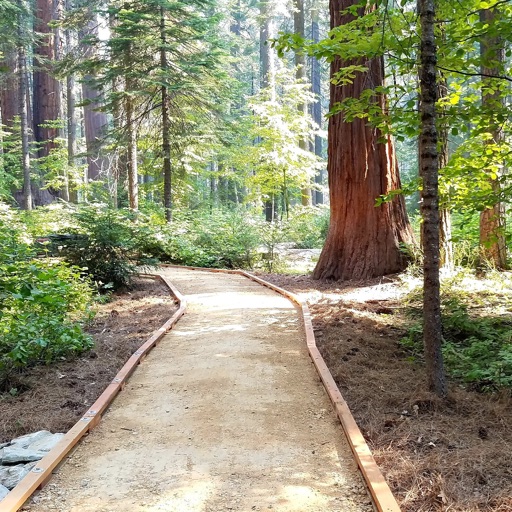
[{"x": 201, "y": 133}]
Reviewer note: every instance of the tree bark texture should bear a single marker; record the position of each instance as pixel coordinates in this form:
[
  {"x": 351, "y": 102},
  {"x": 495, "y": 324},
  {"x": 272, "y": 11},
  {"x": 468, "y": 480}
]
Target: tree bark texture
[
  {"x": 47, "y": 93},
  {"x": 9, "y": 89},
  {"x": 429, "y": 169},
  {"x": 492, "y": 220},
  {"x": 363, "y": 240}
]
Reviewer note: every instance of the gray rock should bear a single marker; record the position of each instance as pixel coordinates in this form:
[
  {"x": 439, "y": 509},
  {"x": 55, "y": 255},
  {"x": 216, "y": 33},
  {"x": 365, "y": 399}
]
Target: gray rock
[
  {"x": 3, "y": 492},
  {"x": 11, "y": 475},
  {"x": 28, "y": 439},
  {"x": 30, "y": 449}
]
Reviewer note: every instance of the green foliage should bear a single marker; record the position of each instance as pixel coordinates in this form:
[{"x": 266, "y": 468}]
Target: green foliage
[
  {"x": 308, "y": 227},
  {"x": 477, "y": 330},
  {"x": 103, "y": 245},
  {"x": 42, "y": 303}
]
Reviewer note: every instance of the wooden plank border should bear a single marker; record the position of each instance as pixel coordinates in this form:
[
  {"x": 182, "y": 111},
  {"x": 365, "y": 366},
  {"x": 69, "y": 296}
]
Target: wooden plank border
[
  {"x": 42, "y": 471},
  {"x": 381, "y": 494}
]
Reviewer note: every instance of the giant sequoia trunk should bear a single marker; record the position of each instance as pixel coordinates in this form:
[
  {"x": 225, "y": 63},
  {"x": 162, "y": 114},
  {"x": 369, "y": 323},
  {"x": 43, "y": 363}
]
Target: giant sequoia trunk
[
  {"x": 9, "y": 93},
  {"x": 46, "y": 88},
  {"x": 363, "y": 240},
  {"x": 95, "y": 121},
  {"x": 492, "y": 220}
]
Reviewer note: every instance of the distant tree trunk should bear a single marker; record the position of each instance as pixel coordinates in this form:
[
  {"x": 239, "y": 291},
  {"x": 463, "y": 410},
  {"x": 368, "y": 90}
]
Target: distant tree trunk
[
  {"x": 22, "y": 97},
  {"x": 300, "y": 63},
  {"x": 131, "y": 132},
  {"x": 267, "y": 79},
  {"x": 95, "y": 121},
  {"x": 9, "y": 93},
  {"x": 71, "y": 122},
  {"x": 166, "y": 124},
  {"x": 429, "y": 168},
  {"x": 316, "y": 85},
  {"x": 445, "y": 216},
  {"x": 363, "y": 241},
  {"x": 492, "y": 220},
  {"x": 46, "y": 88}
]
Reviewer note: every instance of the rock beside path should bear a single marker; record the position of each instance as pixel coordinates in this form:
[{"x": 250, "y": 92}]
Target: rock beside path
[
  {"x": 20, "y": 455},
  {"x": 3, "y": 492}
]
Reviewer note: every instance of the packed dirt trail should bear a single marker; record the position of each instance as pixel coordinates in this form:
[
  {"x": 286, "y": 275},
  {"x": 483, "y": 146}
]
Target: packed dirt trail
[{"x": 227, "y": 413}]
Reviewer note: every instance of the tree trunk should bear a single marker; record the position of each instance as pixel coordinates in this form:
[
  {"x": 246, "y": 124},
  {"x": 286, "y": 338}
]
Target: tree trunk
[
  {"x": 22, "y": 81},
  {"x": 445, "y": 216},
  {"x": 363, "y": 241},
  {"x": 316, "y": 86},
  {"x": 9, "y": 93},
  {"x": 70, "y": 121},
  {"x": 492, "y": 220},
  {"x": 300, "y": 64},
  {"x": 95, "y": 122},
  {"x": 166, "y": 124},
  {"x": 267, "y": 79},
  {"x": 46, "y": 88},
  {"x": 131, "y": 134},
  {"x": 429, "y": 169}
]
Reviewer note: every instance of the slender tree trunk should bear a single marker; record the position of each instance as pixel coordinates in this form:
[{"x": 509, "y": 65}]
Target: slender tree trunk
[
  {"x": 267, "y": 78},
  {"x": 318, "y": 196},
  {"x": 429, "y": 168},
  {"x": 22, "y": 81},
  {"x": 363, "y": 241},
  {"x": 300, "y": 64},
  {"x": 166, "y": 124},
  {"x": 445, "y": 216},
  {"x": 131, "y": 131},
  {"x": 132, "y": 164},
  {"x": 492, "y": 220},
  {"x": 70, "y": 121}
]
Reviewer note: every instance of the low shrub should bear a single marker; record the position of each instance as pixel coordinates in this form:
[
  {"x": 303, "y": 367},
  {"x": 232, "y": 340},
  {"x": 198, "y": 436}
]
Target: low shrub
[
  {"x": 477, "y": 332},
  {"x": 43, "y": 302}
]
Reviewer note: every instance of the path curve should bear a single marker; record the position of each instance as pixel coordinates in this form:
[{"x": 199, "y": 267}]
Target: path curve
[{"x": 227, "y": 413}]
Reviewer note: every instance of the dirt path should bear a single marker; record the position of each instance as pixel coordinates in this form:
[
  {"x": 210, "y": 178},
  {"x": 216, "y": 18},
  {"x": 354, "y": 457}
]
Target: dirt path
[{"x": 227, "y": 413}]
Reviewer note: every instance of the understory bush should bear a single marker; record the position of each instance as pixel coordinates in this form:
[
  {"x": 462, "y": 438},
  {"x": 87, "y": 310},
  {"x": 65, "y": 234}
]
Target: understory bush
[
  {"x": 43, "y": 302},
  {"x": 477, "y": 331},
  {"x": 106, "y": 244},
  {"x": 307, "y": 227}
]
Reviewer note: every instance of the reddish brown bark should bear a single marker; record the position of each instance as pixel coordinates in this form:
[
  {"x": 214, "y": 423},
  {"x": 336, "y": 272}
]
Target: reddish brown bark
[
  {"x": 492, "y": 220},
  {"x": 9, "y": 93},
  {"x": 363, "y": 240},
  {"x": 46, "y": 88}
]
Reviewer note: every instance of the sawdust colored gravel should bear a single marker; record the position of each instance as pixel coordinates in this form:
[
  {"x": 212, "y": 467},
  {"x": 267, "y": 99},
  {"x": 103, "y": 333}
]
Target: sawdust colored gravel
[{"x": 227, "y": 413}]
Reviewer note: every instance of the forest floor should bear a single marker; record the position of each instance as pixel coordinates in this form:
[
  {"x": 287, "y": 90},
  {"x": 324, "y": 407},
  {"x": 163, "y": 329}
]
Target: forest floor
[
  {"x": 452, "y": 455},
  {"x": 55, "y": 397}
]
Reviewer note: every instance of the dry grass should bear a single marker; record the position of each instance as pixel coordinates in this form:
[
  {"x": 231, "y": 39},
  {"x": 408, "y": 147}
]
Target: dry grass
[
  {"x": 54, "y": 397},
  {"x": 452, "y": 455}
]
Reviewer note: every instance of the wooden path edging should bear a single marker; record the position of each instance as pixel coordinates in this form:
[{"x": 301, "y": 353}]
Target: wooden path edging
[
  {"x": 380, "y": 492},
  {"x": 41, "y": 473}
]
